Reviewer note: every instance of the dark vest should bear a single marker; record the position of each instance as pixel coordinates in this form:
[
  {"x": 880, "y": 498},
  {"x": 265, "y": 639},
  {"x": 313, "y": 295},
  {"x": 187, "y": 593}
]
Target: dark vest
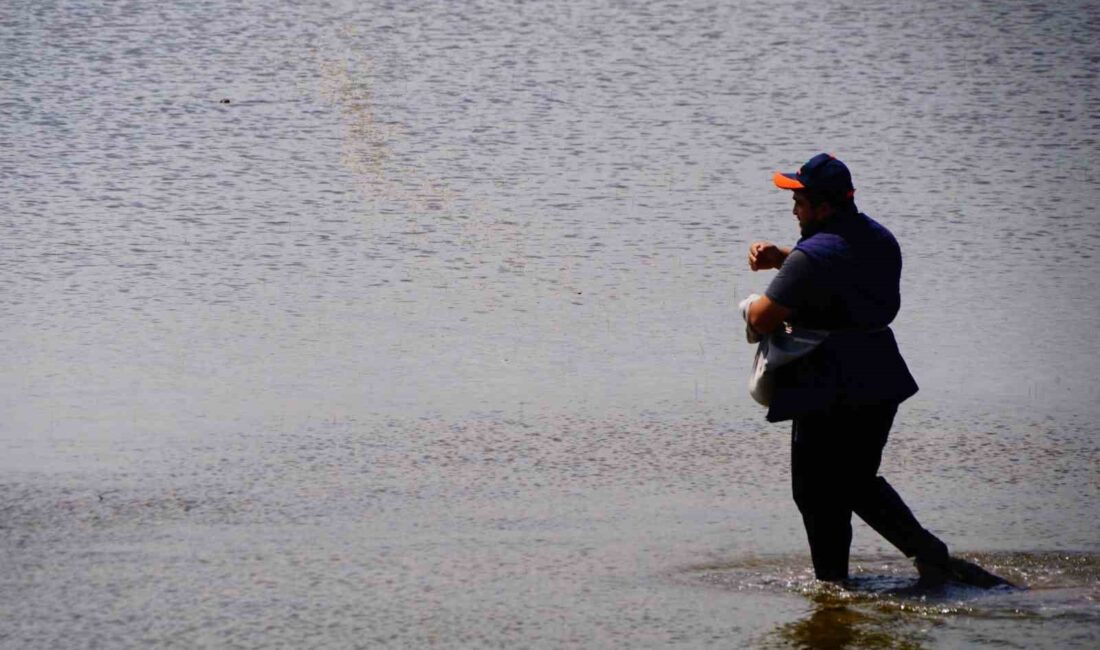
[{"x": 857, "y": 270}]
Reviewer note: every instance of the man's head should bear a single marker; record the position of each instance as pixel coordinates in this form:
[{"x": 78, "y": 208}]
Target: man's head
[{"x": 821, "y": 187}]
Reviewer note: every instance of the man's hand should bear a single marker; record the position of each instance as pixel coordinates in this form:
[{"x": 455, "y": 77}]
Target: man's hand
[{"x": 766, "y": 255}]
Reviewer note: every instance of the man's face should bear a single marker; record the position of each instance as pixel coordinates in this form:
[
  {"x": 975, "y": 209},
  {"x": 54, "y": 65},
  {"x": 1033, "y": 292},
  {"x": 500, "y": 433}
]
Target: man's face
[{"x": 806, "y": 212}]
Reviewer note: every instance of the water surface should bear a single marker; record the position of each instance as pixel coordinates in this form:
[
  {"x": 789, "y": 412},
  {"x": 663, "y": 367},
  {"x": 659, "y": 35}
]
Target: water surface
[{"x": 410, "y": 323}]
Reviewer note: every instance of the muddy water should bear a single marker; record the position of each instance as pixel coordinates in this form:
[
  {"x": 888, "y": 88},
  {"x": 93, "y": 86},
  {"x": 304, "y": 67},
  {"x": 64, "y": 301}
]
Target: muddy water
[{"x": 410, "y": 324}]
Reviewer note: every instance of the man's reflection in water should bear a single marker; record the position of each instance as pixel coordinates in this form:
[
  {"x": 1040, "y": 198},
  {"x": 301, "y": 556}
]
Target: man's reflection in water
[{"x": 835, "y": 625}]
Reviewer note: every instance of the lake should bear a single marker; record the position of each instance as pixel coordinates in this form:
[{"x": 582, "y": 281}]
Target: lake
[{"x": 363, "y": 324}]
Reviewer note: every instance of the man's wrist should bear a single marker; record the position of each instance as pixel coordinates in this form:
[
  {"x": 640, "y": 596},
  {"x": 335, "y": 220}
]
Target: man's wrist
[{"x": 783, "y": 253}]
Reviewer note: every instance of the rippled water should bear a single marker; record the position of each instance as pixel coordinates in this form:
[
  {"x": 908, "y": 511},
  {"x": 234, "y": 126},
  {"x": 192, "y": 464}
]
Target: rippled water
[
  {"x": 1053, "y": 604},
  {"x": 414, "y": 323}
]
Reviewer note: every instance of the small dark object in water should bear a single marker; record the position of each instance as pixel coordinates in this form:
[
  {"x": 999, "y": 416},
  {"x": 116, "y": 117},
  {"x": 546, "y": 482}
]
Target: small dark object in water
[
  {"x": 959, "y": 571},
  {"x": 224, "y": 101}
]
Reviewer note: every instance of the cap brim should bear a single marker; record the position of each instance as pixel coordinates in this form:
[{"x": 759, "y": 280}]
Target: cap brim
[{"x": 787, "y": 181}]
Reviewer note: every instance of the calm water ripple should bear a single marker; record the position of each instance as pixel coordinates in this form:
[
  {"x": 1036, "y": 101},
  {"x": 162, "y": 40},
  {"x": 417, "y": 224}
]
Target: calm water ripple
[{"x": 414, "y": 323}]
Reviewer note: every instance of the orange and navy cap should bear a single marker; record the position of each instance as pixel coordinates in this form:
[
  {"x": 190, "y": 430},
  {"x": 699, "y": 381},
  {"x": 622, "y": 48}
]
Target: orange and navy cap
[{"x": 823, "y": 173}]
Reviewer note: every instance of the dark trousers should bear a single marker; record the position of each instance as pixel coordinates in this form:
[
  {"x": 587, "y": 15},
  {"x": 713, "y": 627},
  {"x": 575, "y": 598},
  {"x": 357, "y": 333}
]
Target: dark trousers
[{"x": 834, "y": 469}]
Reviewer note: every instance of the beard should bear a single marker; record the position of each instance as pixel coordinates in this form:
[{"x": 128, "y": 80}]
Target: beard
[{"x": 810, "y": 228}]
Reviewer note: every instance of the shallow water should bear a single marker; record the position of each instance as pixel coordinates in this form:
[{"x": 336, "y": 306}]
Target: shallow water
[
  {"x": 1054, "y": 602},
  {"x": 402, "y": 323}
]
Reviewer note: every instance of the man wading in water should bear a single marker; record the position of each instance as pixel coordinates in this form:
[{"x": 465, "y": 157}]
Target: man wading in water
[{"x": 843, "y": 276}]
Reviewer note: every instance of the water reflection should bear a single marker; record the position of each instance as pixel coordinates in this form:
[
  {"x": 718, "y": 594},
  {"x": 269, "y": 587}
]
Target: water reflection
[{"x": 833, "y": 624}]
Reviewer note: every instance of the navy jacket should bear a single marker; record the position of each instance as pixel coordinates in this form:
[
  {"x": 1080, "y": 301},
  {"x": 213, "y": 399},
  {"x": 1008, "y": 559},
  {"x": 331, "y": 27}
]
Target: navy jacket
[{"x": 857, "y": 273}]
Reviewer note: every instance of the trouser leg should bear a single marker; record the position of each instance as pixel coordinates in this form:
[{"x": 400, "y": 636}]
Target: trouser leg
[
  {"x": 834, "y": 465},
  {"x": 884, "y": 511},
  {"x": 826, "y": 511},
  {"x": 876, "y": 502}
]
